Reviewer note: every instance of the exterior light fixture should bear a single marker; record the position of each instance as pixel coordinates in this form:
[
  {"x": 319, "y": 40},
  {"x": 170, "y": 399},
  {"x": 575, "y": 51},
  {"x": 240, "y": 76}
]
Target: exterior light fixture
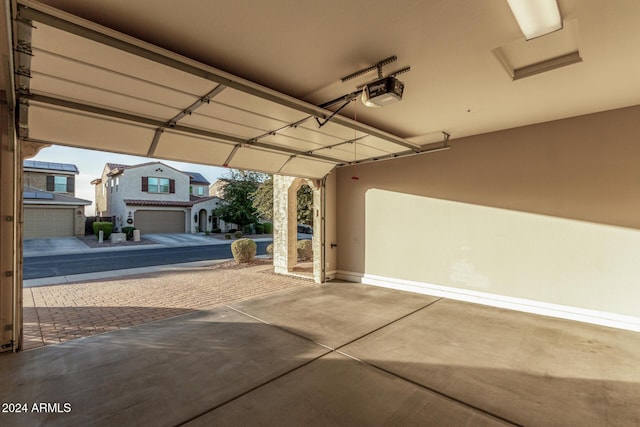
[{"x": 536, "y": 17}]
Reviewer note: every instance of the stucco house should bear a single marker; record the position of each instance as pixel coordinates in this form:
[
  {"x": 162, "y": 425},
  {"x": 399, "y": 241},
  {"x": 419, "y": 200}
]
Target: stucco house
[
  {"x": 155, "y": 198},
  {"x": 50, "y": 206}
]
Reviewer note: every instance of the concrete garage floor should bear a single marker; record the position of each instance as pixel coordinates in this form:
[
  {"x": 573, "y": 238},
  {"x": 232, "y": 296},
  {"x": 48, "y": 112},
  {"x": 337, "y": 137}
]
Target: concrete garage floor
[{"x": 337, "y": 354}]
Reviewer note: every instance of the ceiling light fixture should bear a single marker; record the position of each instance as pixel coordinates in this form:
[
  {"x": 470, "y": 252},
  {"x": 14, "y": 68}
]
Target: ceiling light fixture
[{"x": 536, "y": 17}]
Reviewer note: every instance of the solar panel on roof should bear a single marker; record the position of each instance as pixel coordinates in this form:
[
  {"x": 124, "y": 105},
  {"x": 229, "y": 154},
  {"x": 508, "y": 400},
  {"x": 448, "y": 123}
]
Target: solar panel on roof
[
  {"x": 38, "y": 195},
  {"x": 36, "y": 164},
  {"x": 44, "y": 196}
]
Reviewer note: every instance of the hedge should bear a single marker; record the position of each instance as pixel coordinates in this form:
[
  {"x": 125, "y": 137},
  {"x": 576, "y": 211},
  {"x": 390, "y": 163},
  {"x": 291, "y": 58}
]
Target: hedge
[{"x": 106, "y": 227}]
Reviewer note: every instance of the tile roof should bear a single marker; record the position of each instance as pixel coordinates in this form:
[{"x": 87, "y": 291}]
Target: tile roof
[
  {"x": 163, "y": 203},
  {"x": 117, "y": 166},
  {"x": 198, "y": 199}
]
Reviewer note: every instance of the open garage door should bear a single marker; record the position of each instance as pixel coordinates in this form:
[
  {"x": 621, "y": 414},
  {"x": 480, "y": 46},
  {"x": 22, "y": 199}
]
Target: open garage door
[
  {"x": 151, "y": 222},
  {"x": 87, "y": 86}
]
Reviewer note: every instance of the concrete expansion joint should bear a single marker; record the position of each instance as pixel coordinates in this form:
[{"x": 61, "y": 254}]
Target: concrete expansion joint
[
  {"x": 281, "y": 328},
  {"x": 436, "y": 391},
  {"x": 256, "y": 387},
  {"x": 388, "y": 324},
  {"x": 338, "y": 350}
]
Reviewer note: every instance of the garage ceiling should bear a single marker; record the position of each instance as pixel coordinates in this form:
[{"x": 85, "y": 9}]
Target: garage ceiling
[{"x": 93, "y": 87}]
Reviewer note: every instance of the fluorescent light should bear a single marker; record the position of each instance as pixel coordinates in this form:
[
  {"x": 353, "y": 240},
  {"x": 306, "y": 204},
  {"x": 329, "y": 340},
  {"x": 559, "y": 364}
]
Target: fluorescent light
[{"x": 536, "y": 17}]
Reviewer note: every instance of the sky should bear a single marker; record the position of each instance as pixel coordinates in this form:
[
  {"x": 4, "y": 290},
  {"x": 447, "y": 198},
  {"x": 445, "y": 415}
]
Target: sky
[{"x": 90, "y": 163}]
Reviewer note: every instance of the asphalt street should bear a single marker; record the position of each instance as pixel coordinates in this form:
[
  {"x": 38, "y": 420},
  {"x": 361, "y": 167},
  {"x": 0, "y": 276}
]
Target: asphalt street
[{"x": 36, "y": 267}]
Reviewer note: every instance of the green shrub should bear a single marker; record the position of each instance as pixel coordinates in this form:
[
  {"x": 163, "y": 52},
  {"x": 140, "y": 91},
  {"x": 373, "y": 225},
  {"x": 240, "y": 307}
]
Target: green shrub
[
  {"x": 305, "y": 250},
  {"x": 129, "y": 232},
  {"x": 259, "y": 228},
  {"x": 227, "y": 236},
  {"x": 268, "y": 227},
  {"x": 270, "y": 248},
  {"x": 233, "y": 230},
  {"x": 216, "y": 230},
  {"x": 248, "y": 229},
  {"x": 106, "y": 227},
  {"x": 238, "y": 234},
  {"x": 243, "y": 250}
]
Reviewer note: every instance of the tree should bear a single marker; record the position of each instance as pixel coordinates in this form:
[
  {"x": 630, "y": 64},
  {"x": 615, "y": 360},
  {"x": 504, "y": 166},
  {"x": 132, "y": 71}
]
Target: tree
[
  {"x": 263, "y": 199},
  {"x": 238, "y": 197},
  {"x": 305, "y": 205}
]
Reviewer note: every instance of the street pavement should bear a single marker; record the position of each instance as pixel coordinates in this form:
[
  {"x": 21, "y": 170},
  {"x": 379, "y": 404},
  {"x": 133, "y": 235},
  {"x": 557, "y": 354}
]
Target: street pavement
[
  {"x": 71, "y": 246},
  {"x": 66, "y": 245}
]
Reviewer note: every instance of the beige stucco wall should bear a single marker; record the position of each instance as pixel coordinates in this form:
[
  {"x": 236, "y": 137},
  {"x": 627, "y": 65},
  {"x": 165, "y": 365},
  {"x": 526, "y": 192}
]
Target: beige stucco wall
[
  {"x": 35, "y": 180},
  {"x": 39, "y": 180},
  {"x": 546, "y": 212}
]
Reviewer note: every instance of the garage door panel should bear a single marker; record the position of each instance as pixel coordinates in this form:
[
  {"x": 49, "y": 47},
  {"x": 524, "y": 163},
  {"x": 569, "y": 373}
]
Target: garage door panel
[
  {"x": 52, "y": 86},
  {"x": 49, "y": 39},
  {"x": 40, "y": 222},
  {"x": 50, "y": 71},
  {"x": 66, "y": 127},
  {"x": 159, "y": 221}
]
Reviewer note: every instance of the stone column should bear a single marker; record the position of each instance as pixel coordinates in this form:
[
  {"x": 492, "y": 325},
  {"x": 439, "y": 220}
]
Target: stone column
[{"x": 285, "y": 253}]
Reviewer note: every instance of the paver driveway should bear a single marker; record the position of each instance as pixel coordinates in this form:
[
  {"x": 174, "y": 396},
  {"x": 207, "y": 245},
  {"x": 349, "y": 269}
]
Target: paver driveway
[{"x": 54, "y": 314}]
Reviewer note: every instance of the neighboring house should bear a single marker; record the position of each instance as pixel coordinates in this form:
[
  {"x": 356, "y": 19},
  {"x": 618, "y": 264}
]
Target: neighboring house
[
  {"x": 217, "y": 188},
  {"x": 155, "y": 198},
  {"x": 199, "y": 185},
  {"x": 50, "y": 206}
]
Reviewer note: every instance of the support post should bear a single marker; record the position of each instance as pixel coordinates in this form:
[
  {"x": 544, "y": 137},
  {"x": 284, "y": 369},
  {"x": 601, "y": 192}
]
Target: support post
[
  {"x": 285, "y": 253},
  {"x": 10, "y": 234}
]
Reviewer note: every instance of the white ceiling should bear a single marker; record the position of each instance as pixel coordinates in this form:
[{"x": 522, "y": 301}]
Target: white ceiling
[{"x": 457, "y": 82}]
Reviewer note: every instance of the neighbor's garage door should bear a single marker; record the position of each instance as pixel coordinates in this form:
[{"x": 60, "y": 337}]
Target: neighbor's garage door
[
  {"x": 149, "y": 222},
  {"x": 48, "y": 222}
]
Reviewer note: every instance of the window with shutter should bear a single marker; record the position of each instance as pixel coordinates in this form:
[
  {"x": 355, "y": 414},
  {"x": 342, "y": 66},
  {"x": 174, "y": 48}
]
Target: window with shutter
[
  {"x": 159, "y": 185},
  {"x": 60, "y": 184},
  {"x": 172, "y": 186},
  {"x": 71, "y": 184}
]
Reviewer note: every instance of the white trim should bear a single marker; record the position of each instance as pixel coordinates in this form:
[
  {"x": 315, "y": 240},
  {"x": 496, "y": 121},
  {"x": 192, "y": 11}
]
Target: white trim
[
  {"x": 349, "y": 276},
  {"x": 603, "y": 318}
]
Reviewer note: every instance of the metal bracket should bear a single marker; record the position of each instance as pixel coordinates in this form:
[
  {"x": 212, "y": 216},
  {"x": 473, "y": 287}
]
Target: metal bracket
[
  {"x": 24, "y": 47},
  {"x": 378, "y": 65},
  {"x": 320, "y": 124},
  {"x": 23, "y": 71}
]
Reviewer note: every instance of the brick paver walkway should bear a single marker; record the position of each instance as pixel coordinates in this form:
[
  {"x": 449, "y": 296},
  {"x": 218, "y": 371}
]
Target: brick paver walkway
[{"x": 54, "y": 314}]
